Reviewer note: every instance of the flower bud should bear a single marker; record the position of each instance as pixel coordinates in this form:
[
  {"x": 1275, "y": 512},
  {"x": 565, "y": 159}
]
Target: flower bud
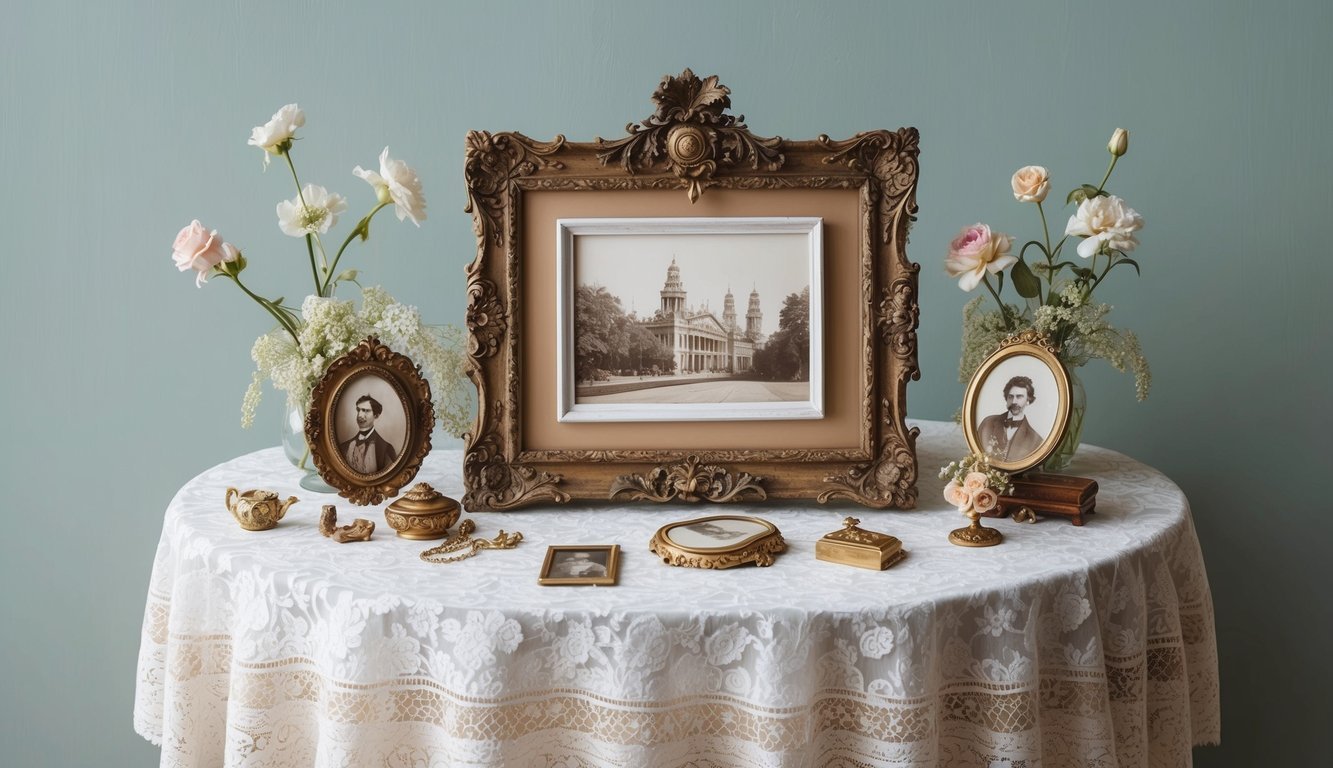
[{"x": 1119, "y": 142}]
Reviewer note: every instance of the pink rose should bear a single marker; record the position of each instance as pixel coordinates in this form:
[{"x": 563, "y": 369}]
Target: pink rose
[
  {"x": 200, "y": 249},
  {"x": 955, "y": 495},
  {"x": 976, "y": 251},
  {"x": 984, "y": 500}
]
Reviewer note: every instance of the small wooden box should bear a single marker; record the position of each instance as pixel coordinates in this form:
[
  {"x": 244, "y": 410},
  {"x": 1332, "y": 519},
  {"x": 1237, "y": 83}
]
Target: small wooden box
[
  {"x": 864, "y": 549},
  {"x": 1047, "y": 494}
]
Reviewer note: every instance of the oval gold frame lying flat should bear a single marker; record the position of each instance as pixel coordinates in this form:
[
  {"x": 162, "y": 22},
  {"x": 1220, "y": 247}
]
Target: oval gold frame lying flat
[
  {"x": 758, "y": 549},
  {"x": 1025, "y": 344}
]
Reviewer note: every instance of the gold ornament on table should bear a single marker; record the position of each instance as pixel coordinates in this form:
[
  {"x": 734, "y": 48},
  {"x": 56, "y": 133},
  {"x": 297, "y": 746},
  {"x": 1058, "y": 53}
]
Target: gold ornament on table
[
  {"x": 256, "y": 510},
  {"x": 359, "y": 530},
  {"x": 422, "y": 513},
  {"x": 851, "y": 545},
  {"x": 975, "y": 489},
  {"x": 461, "y": 545}
]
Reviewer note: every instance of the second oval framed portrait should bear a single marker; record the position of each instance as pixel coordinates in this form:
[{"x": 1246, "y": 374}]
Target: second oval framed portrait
[
  {"x": 1017, "y": 404},
  {"x": 369, "y": 423}
]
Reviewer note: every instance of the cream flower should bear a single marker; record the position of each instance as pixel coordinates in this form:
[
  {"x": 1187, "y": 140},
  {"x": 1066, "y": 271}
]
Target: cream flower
[
  {"x": 1030, "y": 184},
  {"x": 955, "y": 495},
  {"x": 1119, "y": 143},
  {"x": 975, "y": 481},
  {"x": 1105, "y": 221},
  {"x": 319, "y": 211},
  {"x": 274, "y": 137},
  {"x": 397, "y": 181},
  {"x": 976, "y": 251}
]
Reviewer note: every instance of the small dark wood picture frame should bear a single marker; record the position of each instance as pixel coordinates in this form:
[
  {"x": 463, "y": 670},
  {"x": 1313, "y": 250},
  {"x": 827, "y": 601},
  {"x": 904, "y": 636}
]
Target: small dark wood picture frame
[{"x": 369, "y": 423}]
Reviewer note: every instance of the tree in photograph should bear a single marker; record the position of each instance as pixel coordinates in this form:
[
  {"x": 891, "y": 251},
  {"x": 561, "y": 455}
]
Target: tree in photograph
[
  {"x": 606, "y": 340},
  {"x": 786, "y": 356}
]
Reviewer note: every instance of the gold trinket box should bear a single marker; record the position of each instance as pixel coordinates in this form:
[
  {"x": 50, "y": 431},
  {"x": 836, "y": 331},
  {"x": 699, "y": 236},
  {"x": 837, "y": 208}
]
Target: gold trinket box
[
  {"x": 422, "y": 513},
  {"x": 864, "y": 549}
]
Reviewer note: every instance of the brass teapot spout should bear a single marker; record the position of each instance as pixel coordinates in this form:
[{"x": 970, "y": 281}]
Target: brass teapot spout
[{"x": 256, "y": 510}]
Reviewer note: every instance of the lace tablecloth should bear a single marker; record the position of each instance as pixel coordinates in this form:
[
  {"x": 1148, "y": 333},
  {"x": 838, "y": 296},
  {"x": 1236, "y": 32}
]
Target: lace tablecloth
[{"x": 1064, "y": 646}]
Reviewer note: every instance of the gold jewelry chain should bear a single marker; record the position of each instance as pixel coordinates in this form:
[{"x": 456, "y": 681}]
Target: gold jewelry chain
[{"x": 461, "y": 545}]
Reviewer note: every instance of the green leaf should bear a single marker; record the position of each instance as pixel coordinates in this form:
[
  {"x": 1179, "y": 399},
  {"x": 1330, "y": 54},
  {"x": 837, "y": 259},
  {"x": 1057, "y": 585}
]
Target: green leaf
[
  {"x": 1091, "y": 191},
  {"x": 1026, "y": 283},
  {"x": 1130, "y": 262},
  {"x": 1084, "y": 272},
  {"x": 277, "y": 302},
  {"x": 1075, "y": 196},
  {"x": 347, "y": 276}
]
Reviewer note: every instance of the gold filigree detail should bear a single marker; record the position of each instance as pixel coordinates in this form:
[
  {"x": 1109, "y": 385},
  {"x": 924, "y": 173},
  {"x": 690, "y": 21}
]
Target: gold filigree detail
[
  {"x": 1031, "y": 336},
  {"x": 495, "y": 484},
  {"x": 485, "y": 319},
  {"x": 492, "y": 163},
  {"x": 890, "y": 481},
  {"x": 899, "y": 316},
  {"x": 691, "y": 132},
  {"x": 691, "y": 481}
]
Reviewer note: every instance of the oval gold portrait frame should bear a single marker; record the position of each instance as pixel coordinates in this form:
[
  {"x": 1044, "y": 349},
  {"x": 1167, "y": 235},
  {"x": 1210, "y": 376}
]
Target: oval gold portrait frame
[
  {"x": 1025, "y": 344},
  {"x": 758, "y": 548},
  {"x": 413, "y": 391}
]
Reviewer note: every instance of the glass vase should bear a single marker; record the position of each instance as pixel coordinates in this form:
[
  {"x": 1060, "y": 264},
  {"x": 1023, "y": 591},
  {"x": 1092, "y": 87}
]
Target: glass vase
[
  {"x": 297, "y": 450},
  {"x": 1078, "y": 404}
]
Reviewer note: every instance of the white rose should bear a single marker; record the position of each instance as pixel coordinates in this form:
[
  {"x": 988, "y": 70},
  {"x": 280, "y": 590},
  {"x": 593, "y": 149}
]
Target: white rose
[
  {"x": 1105, "y": 220},
  {"x": 317, "y": 213},
  {"x": 278, "y": 131},
  {"x": 1030, "y": 184},
  {"x": 397, "y": 181}
]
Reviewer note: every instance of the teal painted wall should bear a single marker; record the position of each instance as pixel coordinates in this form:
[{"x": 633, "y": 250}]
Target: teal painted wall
[{"x": 121, "y": 122}]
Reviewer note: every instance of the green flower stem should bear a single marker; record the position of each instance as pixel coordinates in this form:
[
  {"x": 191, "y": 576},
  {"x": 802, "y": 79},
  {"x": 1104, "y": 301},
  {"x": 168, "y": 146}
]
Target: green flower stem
[
  {"x": 273, "y": 309},
  {"x": 309, "y": 246},
  {"x": 314, "y": 273},
  {"x": 1045, "y": 230},
  {"x": 362, "y": 228},
  {"x": 1109, "y": 168},
  {"x": 1007, "y": 325}
]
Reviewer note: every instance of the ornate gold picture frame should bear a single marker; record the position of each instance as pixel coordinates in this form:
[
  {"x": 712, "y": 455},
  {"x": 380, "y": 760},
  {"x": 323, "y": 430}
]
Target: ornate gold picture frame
[
  {"x": 369, "y": 423},
  {"x": 1017, "y": 404},
  {"x": 691, "y": 159},
  {"x": 717, "y": 542}
]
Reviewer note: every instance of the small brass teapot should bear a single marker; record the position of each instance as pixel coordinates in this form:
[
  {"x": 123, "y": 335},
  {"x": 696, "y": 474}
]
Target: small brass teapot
[{"x": 256, "y": 510}]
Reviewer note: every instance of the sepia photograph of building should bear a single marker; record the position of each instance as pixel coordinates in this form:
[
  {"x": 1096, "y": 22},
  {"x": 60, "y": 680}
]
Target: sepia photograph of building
[{"x": 704, "y": 318}]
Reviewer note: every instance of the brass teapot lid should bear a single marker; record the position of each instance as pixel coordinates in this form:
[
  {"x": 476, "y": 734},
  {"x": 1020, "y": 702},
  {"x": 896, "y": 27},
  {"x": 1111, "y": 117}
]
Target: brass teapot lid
[{"x": 422, "y": 499}]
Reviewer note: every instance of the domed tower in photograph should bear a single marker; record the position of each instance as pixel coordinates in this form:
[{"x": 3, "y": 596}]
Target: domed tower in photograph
[
  {"x": 754, "y": 318},
  {"x": 673, "y": 292}
]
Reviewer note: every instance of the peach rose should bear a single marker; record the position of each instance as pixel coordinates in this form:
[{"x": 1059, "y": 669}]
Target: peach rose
[
  {"x": 984, "y": 500},
  {"x": 955, "y": 495},
  {"x": 1030, "y": 183},
  {"x": 975, "y": 481},
  {"x": 200, "y": 249}
]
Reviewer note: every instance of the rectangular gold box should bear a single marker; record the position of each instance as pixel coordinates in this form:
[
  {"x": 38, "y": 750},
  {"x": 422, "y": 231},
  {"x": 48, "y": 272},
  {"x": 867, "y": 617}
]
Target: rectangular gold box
[{"x": 861, "y": 548}]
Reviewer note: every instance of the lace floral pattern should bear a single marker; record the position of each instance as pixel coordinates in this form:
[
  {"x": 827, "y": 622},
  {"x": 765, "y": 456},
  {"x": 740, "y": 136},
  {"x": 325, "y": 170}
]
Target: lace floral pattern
[{"x": 1066, "y": 646}]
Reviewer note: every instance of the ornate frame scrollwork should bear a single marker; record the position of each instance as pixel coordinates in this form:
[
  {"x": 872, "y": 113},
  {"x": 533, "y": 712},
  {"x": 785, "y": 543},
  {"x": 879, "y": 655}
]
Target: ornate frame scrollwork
[{"x": 690, "y": 143}]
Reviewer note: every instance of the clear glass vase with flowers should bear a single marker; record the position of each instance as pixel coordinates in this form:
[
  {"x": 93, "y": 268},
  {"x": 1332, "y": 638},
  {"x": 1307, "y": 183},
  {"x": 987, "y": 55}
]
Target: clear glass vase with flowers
[
  {"x": 1055, "y": 292},
  {"x": 295, "y": 355}
]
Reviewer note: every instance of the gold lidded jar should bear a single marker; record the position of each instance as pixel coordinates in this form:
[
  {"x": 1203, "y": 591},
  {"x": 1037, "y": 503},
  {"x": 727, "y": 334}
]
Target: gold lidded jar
[{"x": 422, "y": 513}]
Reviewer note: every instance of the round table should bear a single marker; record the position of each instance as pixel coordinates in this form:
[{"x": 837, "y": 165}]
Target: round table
[{"x": 1063, "y": 646}]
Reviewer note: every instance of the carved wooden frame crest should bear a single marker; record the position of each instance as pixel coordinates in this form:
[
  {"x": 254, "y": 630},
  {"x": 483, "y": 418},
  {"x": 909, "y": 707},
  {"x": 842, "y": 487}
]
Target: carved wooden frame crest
[{"x": 691, "y": 144}]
